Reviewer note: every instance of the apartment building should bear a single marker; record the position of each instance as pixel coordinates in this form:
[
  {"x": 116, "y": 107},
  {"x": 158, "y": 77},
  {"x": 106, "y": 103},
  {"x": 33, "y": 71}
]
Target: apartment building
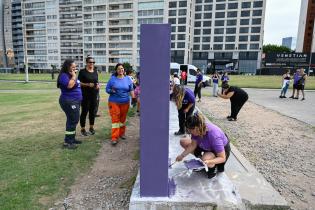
[{"x": 17, "y": 34}]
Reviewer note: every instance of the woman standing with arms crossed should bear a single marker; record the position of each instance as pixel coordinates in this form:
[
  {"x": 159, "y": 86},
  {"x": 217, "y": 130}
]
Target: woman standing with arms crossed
[
  {"x": 198, "y": 85},
  {"x": 185, "y": 102},
  {"x": 70, "y": 100},
  {"x": 215, "y": 82},
  {"x": 119, "y": 87},
  {"x": 286, "y": 78},
  {"x": 90, "y": 87}
]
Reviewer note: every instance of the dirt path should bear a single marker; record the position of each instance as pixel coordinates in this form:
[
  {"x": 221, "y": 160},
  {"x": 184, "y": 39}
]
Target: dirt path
[
  {"x": 109, "y": 183},
  {"x": 281, "y": 148}
]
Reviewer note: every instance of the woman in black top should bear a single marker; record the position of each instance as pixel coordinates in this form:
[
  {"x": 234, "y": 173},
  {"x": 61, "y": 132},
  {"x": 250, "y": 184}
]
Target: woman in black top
[
  {"x": 237, "y": 96},
  {"x": 90, "y": 88}
]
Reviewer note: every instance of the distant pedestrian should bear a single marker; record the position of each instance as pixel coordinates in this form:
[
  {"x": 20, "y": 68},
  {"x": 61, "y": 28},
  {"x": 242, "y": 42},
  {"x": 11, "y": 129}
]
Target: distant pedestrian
[
  {"x": 215, "y": 82},
  {"x": 301, "y": 85},
  {"x": 207, "y": 142},
  {"x": 70, "y": 100},
  {"x": 237, "y": 96},
  {"x": 183, "y": 77},
  {"x": 185, "y": 102},
  {"x": 286, "y": 78},
  {"x": 198, "y": 85},
  {"x": 296, "y": 77},
  {"x": 119, "y": 87},
  {"x": 176, "y": 80}
]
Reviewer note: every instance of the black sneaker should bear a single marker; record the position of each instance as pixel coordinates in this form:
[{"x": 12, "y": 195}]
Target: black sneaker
[
  {"x": 228, "y": 117},
  {"x": 92, "y": 131},
  {"x": 113, "y": 142},
  {"x": 97, "y": 115},
  {"x": 291, "y": 97},
  {"x": 284, "y": 97},
  {"x": 123, "y": 137},
  {"x": 302, "y": 99},
  {"x": 69, "y": 146},
  {"x": 77, "y": 142},
  {"x": 84, "y": 133}
]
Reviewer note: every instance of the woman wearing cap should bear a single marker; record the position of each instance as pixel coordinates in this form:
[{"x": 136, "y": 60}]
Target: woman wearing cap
[{"x": 237, "y": 96}]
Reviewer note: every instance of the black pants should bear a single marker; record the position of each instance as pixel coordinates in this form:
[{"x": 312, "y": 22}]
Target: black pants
[
  {"x": 197, "y": 91},
  {"x": 236, "y": 106},
  {"x": 72, "y": 111},
  {"x": 88, "y": 103},
  {"x": 220, "y": 167},
  {"x": 182, "y": 116},
  {"x": 97, "y": 102}
]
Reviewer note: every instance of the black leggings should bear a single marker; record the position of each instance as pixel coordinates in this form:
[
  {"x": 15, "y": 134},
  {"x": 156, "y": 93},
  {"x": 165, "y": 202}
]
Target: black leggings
[
  {"x": 88, "y": 105},
  {"x": 220, "y": 167},
  {"x": 236, "y": 106},
  {"x": 197, "y": 91},
  {"x": 182, "y": 117}
]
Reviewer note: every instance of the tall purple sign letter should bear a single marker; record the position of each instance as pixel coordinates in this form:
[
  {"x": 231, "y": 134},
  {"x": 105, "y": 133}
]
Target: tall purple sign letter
[{"x": 154, "y": 123}]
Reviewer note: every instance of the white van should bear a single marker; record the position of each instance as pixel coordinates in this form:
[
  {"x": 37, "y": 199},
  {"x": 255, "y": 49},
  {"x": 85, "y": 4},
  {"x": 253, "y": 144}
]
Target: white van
[
  {"x": 192, "y": 72},
  {"x": 175, "y": 68}
]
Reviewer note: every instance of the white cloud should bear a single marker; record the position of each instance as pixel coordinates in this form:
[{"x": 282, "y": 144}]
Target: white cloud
[{"x": 281, "y": 20}]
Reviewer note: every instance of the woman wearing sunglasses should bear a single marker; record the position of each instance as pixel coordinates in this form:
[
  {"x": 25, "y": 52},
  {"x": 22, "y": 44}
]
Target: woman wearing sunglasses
[{"x": 90, "y": 88}]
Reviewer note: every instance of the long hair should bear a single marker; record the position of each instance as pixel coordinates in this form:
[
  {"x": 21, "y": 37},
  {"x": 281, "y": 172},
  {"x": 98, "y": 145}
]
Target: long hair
[
  {"x": 178, "y": 95},
  {"x": 198, "y": 121},
  {"x": 64, "y": 69}
]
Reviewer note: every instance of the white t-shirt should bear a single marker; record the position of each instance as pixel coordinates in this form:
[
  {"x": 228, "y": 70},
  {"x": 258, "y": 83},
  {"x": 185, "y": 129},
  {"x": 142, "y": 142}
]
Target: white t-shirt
[{"x": 176, "y": 81}]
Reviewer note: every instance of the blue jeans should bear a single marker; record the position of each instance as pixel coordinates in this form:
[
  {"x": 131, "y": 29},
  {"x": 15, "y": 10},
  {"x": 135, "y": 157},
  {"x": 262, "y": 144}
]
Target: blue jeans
[
  {"x": 285, "y": 89},
  {"x": 72, "y": 111}
]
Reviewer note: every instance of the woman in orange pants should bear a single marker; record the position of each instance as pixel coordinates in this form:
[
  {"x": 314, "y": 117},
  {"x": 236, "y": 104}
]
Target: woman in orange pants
[{"x": 119, "y": 87}]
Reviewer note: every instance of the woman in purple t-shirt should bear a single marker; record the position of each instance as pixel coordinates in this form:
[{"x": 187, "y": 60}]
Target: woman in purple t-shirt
[{"x": 207, "y": 142}]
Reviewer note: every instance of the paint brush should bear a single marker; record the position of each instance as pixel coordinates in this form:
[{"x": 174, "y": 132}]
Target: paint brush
[{"x": 170, "y": 166}]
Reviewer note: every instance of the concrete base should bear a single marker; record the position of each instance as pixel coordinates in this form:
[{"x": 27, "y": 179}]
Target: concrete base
[{"x": 240, "y": 187}]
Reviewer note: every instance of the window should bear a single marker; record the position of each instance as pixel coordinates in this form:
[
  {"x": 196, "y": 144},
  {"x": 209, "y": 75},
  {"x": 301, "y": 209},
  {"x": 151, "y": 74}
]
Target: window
[
  {"x": 246, "y": 4},
  {"x": 198, "y": 8},
  {"x": 258, "y": 4},
  {"x": 257, "y": 12},
  {"x": 232, "y": 14},
  {"x": 181, "y": 37},
  {"x": 243, "y": 38},
  {"x": 172, "y": 13},
  {"x": 245, "y": 13},
  {"x": 196, "y": 47},
  {"x": 182, "y": 12},
  {"x": 254, "y": 38},
  {"x": 220, "y": 14},
  {"x": 207, "y": 7},
  {"x": 197, "y": 16},
  {"x": 205, "y": 47},
  {"x": 172, "y": 20},
  {"x": 172, "y": 37},
  {"x": 219, "y": 23},
  {"x": 172, "y": 45},
  {"x": 207, "y": 15},
  {"x": 256, "y": 21},
  {"x": 173, "y": 28},
  {"x": 232, "y": 5},
  {"x": 229, "y": 46},
  {"x": 231, "y": 30},
  {"x": 206, "y": 23},
  {"x": 198, "y": 1},
  {"x": 197, "y": 24},
  {"x": 218, "y": 39},
  {"x": 253, "y": 46},
  {"x": 208, "y": 1},
  {"x": 181, "y": 45},
  {"x": 220, "y": 6},
  {"x": 206, "y": 39},
  {"x": 181, "y": 20},
  {"x": 244, "y": 22},
  {"x": 219, "y": 31},
  {"x": 196, "y": 39},
  {"x": 231, "y": 22},
  {"x": 206, "y": 31},
  {"x": 242, "y": 46},
  {"x": 172, "y": 4},
  {"x": 255, "y": 29},
  {"x": 197, "y": 31},
  {"x": 230, "y": 39},
  {"x": 183, "y": 4},
  {"x": 243, "y": 30},
  {"x": 217, "y": 46},
  {"x": 181, "y": 28}
]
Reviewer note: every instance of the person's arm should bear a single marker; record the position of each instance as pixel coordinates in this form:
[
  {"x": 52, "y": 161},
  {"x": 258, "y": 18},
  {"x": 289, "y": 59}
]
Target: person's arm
[
  {"x": 109, "y": 87},
  {"x": 87, "y": 84},
  {"x": 190, "y": 149},
  {"x": 227, "y": 96},
  {"x": 72, "y": 81},
  {"x": 220, "y": 158},
  {"x": 188, "y": 107}
]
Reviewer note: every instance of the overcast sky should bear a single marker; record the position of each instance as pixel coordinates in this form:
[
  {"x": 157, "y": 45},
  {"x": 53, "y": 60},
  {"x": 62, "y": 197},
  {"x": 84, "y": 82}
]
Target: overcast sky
[{"x": 281, "y": 20}]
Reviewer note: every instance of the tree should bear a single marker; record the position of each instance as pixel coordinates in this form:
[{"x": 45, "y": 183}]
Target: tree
[
  {"x": 269, "y": 48},
  {"x": 127, "y": 66}
]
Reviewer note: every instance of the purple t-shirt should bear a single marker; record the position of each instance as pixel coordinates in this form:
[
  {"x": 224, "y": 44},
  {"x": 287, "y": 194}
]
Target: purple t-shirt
[
  {"x": 73, "y": 93},
  {"x": 199, "y": 78},
  {"x": 189, "y": 97},
  {"x": 122, "y": 87},
  {"x": 214, "y": 140}
]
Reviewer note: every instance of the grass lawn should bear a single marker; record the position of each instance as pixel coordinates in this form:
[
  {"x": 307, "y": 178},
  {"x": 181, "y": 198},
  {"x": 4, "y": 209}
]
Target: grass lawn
[
  {"x": 103, "y": 77},
  {"x": 27, "y": 86},
  {"x": 35, "y": 170}
]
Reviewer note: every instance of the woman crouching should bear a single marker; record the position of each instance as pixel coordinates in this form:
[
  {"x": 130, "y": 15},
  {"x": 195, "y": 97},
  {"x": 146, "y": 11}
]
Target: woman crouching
[{"x": 207, "y": 142}]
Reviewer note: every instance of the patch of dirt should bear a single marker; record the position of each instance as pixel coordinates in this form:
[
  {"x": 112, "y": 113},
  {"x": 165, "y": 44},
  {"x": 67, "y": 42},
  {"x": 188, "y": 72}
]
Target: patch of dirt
[
  {"x": 109, "y": 183},
  {"x": 281, "y": 148}
]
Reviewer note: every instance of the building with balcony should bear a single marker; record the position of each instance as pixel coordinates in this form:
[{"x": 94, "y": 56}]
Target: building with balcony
[{"x": 17, "y": 34}]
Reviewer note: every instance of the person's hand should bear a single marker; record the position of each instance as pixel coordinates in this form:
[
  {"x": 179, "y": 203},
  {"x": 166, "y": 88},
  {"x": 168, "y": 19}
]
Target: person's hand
[
  {"x": 179, "y": 158},
  {"x": 91, "y": 85},
  {"x": 72, "y": 73},
  {"x": 113, "y": 90},
  {"x": 97, "y": 86},
  {"x": 186, "y": 110}
]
